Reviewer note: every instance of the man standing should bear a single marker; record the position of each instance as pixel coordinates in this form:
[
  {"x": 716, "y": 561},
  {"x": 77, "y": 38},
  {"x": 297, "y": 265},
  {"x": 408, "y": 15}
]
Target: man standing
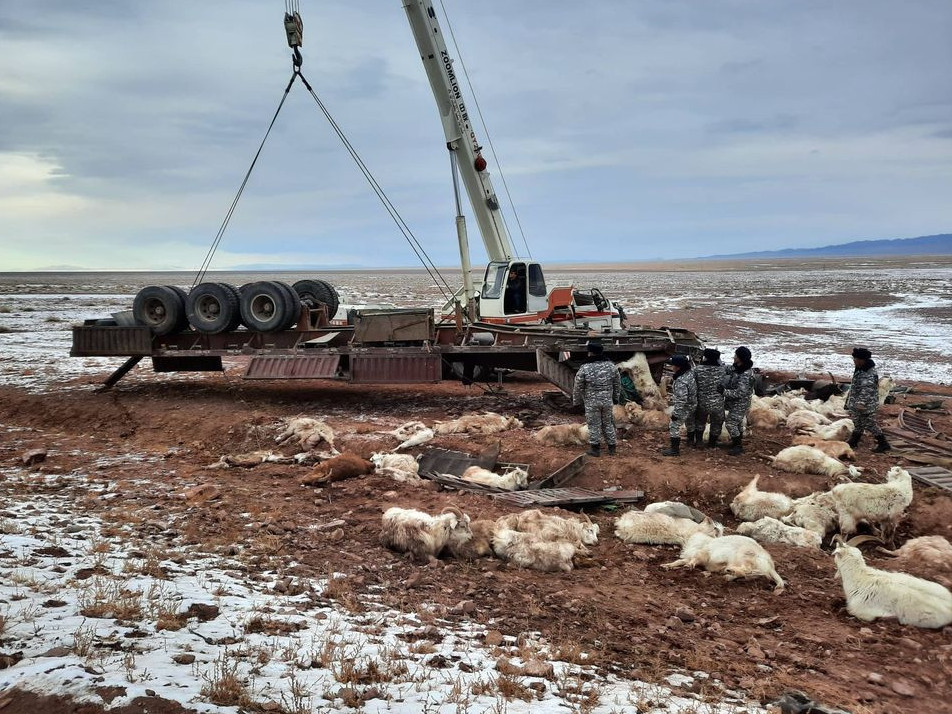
[
  {"x": 684, "y": 388},
  {"x": 863, "y": 400},
  {"x": 737, "y": 386},
  {"x": 598, "y": 386},
  {"x": 710, "y": 402}
]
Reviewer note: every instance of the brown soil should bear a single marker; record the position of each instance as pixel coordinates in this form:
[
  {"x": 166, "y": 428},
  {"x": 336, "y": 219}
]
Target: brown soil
[{"x": 621, "y": 608}]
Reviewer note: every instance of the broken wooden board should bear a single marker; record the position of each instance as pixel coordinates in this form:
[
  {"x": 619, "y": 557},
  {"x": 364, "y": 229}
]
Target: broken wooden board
[
  {"x": 916, "y": 423},
  {"x": 561, "y": 476},
  {"x": 461, "y": 485},
  {"x": 933, "y": 476},
  {"x": 567, "y": 497},
  {"x": 444, "y": 461}
]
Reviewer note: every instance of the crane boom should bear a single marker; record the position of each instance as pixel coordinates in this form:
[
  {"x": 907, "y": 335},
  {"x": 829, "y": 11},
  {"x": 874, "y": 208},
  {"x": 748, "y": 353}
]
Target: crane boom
[{"x": 460, "y": 136}]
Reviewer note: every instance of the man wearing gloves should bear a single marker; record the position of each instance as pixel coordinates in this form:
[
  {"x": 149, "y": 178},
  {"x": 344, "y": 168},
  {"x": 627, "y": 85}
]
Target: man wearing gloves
[
  {"x": 598, "y": 386},
  {"x": 710, "y": 402},
  {"x": 737, "y": 386},
  {"x": 684, "y": 388},
  {"x": 863, "y": 400}
]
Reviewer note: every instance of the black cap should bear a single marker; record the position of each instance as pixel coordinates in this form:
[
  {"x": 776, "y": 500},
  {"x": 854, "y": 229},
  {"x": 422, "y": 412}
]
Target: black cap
[
  {"x": 710, "y": 355},
  {"x": 743, "y": 353},
  {"x": 862, "y": 353},
  {"x": 680, "y": 361},
  {"x": 595, "y": 348}
]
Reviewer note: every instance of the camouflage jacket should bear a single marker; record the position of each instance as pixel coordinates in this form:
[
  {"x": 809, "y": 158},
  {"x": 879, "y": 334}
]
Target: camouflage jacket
[
  {"x": 597, "y": 383},
  {"x": 738, "y": 388},
  {"x": 708, "y": 376},
  {"x": 864, "y": 391},
  {"x": 684, "y": 388}
]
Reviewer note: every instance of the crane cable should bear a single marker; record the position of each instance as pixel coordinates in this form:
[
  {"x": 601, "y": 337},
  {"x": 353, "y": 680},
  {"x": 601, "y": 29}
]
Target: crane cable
[
  {"x": 492, "y": 149},
  {"x": 295, "y": 32}
]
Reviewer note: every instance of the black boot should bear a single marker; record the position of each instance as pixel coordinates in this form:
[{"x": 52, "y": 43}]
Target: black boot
[
  {"x": 712, "y": 441},
  {"x": 594, "y": 450},
  {"x": 698, "y": 442},
  {"x": 881, "y": 444},
  {"x": 611, "y": 449},
  {"x": 674, "y": 449},
  {"x": 853, "y": 441},
  {"x": 736, "y": 448}
]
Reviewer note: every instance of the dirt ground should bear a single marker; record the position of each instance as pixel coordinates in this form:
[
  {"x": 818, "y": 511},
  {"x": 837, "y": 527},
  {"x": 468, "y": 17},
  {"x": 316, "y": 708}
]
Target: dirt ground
[{"x": 623, "y": 608}]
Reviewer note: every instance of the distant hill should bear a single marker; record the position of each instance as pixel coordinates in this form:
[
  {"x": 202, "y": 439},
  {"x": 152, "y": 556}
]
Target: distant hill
[{"x": 923, "y": 245}]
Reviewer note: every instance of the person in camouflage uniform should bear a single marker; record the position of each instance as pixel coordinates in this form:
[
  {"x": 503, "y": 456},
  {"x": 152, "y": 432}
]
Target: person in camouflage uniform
[
  {"x": 598, "y": 386},
  {"x": 710, "y": 402},
  {"x": 737, "y": 386},
  {"x": 684, "y": 388},
  {"x": 863, "y": 400}
]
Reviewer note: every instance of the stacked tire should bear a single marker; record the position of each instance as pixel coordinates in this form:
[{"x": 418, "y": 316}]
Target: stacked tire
[
  {"x": 161, "y": 308},
  {"x": 269, "y": 306},
  {"x": 212, "y": 308},
  {"x": 315, "y": 293}
]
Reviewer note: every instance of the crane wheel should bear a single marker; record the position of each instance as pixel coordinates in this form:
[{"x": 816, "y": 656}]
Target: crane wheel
[{"x": 160, "y": 308}]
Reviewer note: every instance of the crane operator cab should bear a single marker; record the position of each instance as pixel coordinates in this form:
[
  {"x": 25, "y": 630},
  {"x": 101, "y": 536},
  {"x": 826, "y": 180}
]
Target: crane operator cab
[{"x": 515, "y": 288}]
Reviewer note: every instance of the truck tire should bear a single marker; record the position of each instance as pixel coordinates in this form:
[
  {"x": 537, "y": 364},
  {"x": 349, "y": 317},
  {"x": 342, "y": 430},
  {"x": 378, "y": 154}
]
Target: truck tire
[
  {"x": 293, "y": 302},
  {"x": 264, "y": 306},
  {"x": 212, "y": 308},
  {"x": 313, "y": 292},
  {"x": 160, "y": 308}
]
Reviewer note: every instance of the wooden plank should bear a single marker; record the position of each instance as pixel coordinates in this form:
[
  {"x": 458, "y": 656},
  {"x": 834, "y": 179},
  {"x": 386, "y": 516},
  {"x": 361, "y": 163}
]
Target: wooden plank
[
  {"x": 560, "y": 476},
  {"x": 567, "y": 497}
]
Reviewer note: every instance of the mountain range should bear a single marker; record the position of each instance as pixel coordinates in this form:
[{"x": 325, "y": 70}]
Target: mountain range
[{"x": 923, "y": 245}]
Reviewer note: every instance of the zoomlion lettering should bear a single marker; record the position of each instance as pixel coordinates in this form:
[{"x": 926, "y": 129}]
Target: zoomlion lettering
[{"x": 457, "y": 95}]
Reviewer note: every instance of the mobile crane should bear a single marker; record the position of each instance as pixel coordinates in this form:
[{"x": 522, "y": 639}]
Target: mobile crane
[{"x": 513, "y": 290}]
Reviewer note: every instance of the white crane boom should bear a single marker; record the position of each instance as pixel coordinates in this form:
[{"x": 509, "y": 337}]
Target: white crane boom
[{"x": 460, "y": 136}]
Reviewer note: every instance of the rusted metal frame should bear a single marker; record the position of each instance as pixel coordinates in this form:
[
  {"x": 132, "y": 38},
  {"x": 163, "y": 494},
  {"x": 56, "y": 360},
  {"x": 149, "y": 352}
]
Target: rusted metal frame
[
  {"x": 567, "y": 497},
  {"x": 119, "y": 373}
]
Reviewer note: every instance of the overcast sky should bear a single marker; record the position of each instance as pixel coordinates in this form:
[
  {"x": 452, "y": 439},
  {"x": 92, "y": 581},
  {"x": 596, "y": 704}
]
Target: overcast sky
[{"x": 627, "y": 129}]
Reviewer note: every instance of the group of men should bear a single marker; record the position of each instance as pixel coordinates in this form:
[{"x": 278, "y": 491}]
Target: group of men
[{"x": 710, "y": 395}]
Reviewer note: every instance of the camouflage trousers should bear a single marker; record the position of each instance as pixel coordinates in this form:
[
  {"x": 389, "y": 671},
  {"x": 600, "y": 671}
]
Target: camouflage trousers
[
  {"x": 735, "y": 420},
  {"x": 715, "y": 414},
  {"x": 865, "y": 421},
  {"x": 600, "y": 421},
  {"x": 674, "y": 427}
]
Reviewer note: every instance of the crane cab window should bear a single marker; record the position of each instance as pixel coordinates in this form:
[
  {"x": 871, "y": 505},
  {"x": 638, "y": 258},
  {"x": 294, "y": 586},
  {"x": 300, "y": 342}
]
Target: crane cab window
[
  {"x": 495, "y": 281},
  {"x": 536, "y": 280},
  {"x": 514, "y": 302}
]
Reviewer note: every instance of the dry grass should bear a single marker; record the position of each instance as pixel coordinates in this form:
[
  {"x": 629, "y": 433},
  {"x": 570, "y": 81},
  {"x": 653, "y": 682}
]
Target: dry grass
[
  {"x": 340, "y": 589},
  {"x": 224, "y": 687},
  {"x": 272, "y": 626},
  {"x": 104, "y": 597}
]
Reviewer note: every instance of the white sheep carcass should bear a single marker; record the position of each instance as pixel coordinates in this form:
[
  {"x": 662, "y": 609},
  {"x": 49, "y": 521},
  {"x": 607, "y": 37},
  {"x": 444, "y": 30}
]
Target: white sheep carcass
[
  {"x": 420, "y": 437},
  {"x": 815, "y": 512},
  {"x": 309, "y": 433},
  {"x": 872, "y": 593},
  {"x": 399, "y": 467},
  {"x": 809, "y": 460},
  {"x": 736, "y": 556},
  {"x": 805, "y": 418},
  {"x": 934, "y": 552},
  {"x": 885, "y": 387},
  {"x": 752, "y": 504},
  {"x": 487, "y": 423},
  {"x": 834, "y": 406},
  {"x": 836, "y": 449},
  {"x": 660, "y": 529},
  {"x": 550, "y": 527},
  {"x": 407, "y": 530},
  {"x": 878, "y": 504},
  {"x": 563, "y": 435},
  {"x": 527, "y": 550},
  {"x": 676, "y": 509},
  {"x": 765, "y": 417},
  {"x": 839, "y": 430},
  {"x": 512, "y": 479},
  {"x": 640, "y": 373},
  {"x": 770, "y": 530}
]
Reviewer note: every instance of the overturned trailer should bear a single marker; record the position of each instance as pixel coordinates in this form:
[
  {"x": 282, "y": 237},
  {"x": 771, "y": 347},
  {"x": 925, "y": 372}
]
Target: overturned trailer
[{"x": 377, "y": 347}]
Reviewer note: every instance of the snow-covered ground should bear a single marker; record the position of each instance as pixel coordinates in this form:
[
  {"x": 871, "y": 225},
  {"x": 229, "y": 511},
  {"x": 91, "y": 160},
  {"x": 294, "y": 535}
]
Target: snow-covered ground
[{"x": 109, "y": 614}]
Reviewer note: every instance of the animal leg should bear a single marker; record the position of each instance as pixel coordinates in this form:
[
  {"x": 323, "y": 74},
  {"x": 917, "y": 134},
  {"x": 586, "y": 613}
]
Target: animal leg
[{"x": 679, "y": 563}]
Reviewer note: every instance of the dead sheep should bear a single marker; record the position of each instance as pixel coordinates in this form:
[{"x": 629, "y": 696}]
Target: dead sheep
[
  {"x": 407, "y": 530},
  {"x": 872, "y": 593},
  {"x": 659, "y": 529},
  {"x": 770, "y": 530},
  {"x": 641, "y": 375},
  {"x": 512, "y": 479},
  {"x": 878, "y": 504},
  {"x": 836, "y": 449},
  {"x": 885, "y": 387},
  {"x": 309, "y": 433},
  {"x": 400, "y": 467},
  {"x": 805, "y": 418},
  {"x": 736, "y": 556},
  {"x": 676, "y": 509},
  {"x": 487, "y": 423},
  {"x": 648, "y": 418},
  {"x": 550, "y": 527},
  {"x": 480, "y": 545},
  {"x": 752, "y": 504},
  {"x": 528, "y": 550},
  {"x": 839, "y": 430},
  {"x": 808, "y": 460},
  {"x": 934, "y": 552},
  {"x": 562, "y": 435},
  {"x": 815, "y": 512},
  {"x": 346, "y": 465},
  {"x": 764, "y": 417}
]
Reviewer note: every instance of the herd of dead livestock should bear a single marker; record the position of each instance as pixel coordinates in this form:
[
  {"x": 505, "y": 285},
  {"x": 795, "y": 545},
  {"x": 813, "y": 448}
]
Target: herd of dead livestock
[{"x": 548, "y": 542}]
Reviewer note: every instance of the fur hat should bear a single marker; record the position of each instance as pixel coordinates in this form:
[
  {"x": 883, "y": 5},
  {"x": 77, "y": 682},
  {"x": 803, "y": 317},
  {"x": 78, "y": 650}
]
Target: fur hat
[
  {"x": 680, "y": 361},
  {"x": 743, "y": 353},
  {"x": 862, "y": 353},
  {"x": 595, "y": 348},
  {"x": 710, "y": 355}
]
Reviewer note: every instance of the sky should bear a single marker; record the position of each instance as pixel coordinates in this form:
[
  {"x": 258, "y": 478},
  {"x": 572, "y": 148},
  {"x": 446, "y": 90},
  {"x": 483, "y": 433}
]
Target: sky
[{"x": 626, "y": 130}]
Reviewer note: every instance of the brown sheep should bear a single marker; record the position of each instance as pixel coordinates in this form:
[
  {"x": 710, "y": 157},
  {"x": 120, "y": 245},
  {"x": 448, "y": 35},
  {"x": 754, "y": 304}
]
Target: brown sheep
[{"x": 347, "y": 465}]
